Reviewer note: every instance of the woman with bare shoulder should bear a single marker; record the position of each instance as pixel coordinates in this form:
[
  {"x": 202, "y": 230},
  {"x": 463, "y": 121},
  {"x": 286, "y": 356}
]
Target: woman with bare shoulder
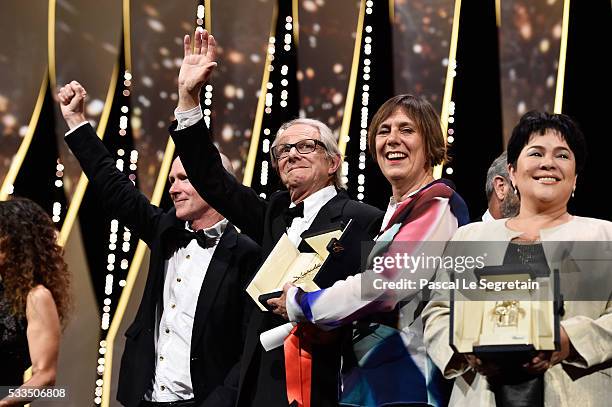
[{"x": 34, "y": 299}]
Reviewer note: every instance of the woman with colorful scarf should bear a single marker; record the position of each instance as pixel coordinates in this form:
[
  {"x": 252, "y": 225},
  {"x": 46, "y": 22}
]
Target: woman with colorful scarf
[{"x": 389, "y": 365}]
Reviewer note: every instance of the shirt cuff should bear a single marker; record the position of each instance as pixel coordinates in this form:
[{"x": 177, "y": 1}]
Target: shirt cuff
[
  {"x": 76, "y": 127},
  {"x": 294, "y": 311},
  {"x": 188, "y": 118}
]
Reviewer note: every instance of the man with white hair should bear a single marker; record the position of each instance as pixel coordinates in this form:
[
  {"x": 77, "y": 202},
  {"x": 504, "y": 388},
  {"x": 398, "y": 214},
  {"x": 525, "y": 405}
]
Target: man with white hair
[{"x": 307, "y": 158}]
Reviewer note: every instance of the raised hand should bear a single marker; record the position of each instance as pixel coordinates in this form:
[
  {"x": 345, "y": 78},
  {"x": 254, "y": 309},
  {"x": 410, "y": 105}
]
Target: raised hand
[
  {"x": 196, "y": 68},
  {"x": 72, "y": 100}
]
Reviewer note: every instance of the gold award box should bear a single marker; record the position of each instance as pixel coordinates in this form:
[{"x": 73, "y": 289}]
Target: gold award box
[
  {"x": 287, "y": 264},
  {"x": 508, "y": 320}
]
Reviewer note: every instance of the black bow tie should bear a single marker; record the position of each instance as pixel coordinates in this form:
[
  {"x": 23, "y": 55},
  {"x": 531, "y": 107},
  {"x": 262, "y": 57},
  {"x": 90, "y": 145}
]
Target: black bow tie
[
  {"x": 179, "y": 238},
  {"x": 295, "y": 212}
]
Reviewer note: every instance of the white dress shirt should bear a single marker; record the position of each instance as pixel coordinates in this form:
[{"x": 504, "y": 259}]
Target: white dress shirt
[
  {"x": 312, "y": 206},
  {"x": 487, "y": 217},
  {"x": 185, "y": 272},
  {"x": 76, "y": 127},
  {"x": 188, "y": 118}
]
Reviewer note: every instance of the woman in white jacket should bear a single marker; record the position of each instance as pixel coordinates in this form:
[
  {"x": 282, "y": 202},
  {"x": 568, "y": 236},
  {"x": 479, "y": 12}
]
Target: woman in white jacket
[{"x": 545, "y": 153}]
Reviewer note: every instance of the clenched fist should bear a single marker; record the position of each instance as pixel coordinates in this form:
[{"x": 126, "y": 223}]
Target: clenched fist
[{"x": 72, "y": 101}]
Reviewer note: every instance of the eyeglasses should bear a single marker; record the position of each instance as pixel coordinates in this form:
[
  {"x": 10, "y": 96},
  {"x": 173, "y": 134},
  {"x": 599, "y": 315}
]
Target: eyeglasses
[{"x": 305, "y": 146}]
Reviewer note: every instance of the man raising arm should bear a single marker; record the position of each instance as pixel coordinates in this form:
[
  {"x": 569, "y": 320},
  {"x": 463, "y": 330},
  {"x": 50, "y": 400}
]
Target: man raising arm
[
  {"x": 187, "y": 333},
  {"x": 306, "y": 156}
]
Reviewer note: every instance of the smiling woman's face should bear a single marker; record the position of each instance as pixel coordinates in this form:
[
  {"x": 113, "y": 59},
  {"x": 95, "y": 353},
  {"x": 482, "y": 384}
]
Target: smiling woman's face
[
  {"x": 400, "y": 150},
  {"x": 545, "y": 172}
]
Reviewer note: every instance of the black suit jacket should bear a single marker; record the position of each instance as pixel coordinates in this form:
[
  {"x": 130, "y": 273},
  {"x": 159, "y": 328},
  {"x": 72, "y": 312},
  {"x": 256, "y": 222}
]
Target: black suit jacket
[
  {"x": 262, "y": 374},
  {"x": 223, "y": 307}
]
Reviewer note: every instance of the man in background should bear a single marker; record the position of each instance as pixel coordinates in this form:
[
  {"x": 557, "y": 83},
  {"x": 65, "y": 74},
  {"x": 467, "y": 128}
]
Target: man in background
[{"x": 502, "y": 201}]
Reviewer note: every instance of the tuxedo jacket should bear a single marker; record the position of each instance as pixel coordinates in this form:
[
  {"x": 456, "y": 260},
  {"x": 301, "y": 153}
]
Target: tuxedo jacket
[
  {"x": 223, "y": 307},
  {"x": 262, "y": 374}
]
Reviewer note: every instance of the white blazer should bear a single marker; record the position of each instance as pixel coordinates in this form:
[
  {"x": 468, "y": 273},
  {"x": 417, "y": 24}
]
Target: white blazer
[{"x": 585, "y": 380}]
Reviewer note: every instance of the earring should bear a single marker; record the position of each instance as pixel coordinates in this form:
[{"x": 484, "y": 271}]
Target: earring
[
  {"x": 573, "y": 193},
  {"x": 515, "y": 190}
]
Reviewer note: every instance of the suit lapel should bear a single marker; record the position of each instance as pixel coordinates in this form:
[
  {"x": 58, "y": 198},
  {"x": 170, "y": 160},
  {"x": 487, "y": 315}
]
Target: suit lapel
[
  {"x": 329, "y": 213},
  {"x": 212, "y": 281},
  {"x": 274, "y": 226},
  {"x": 251, "y": 345},
  {"x": 159, "y": 257},
  {"x": 278, "y": 228}
]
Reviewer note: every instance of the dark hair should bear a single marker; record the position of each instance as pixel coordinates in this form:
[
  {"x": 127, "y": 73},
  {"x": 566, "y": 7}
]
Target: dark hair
[
  {"x": 426, "y": 119},
  {"x": 535, "y": 122},
  {"x": 30, "y": 255}
]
